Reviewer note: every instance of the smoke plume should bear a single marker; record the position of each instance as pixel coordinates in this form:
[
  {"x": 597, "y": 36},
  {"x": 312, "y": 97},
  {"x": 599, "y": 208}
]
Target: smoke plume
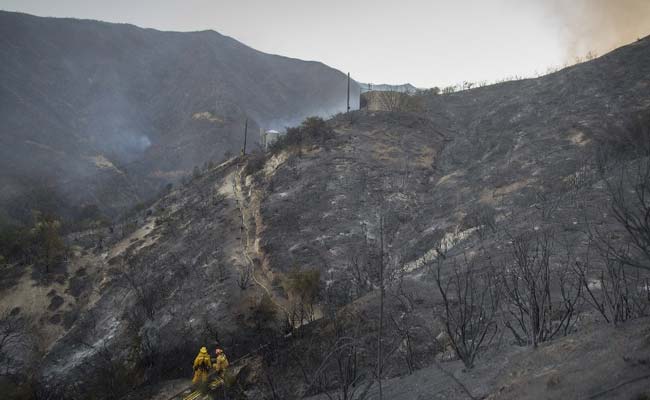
[{"x": 599, "y": 26}]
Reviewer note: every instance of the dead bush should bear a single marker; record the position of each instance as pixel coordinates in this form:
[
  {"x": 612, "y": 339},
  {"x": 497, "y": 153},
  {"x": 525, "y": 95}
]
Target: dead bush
[
  {"x": 471, "y": 299},
  {"x": 147, "y": 292},
  {"x": 617, "y": 293},
  {"x": 244, "y": 278},
  {"x": 630, "y": 138},
  {"x": 339, "y": 363},
  {"x": 630, "y": 206},
  {"x": 539, "y": 302}
]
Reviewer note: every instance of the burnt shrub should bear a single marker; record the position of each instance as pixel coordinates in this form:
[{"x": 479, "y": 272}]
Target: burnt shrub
[
  {"x": 78, "y": 284},
  {"x": 56, "y": 302},
  {"x": 629, "y": 139}
]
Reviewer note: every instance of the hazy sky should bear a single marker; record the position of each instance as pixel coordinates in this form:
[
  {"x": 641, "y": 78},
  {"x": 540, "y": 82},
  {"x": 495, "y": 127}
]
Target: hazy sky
[{"x": 425, "y": 42}]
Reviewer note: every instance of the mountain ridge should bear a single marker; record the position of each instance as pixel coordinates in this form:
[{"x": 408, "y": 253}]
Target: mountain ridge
[{"x": 85, "y": 88}]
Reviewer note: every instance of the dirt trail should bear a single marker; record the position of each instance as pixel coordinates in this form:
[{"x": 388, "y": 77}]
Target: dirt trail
[
  {"x": 248, "y": 208},
  {"x": 245, "y": 213}
]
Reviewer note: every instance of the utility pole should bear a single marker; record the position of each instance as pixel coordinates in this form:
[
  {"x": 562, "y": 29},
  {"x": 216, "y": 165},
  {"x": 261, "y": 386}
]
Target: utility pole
[
  {"x": 348, "y": 109},
  {"x": 382, "y": 290},
  {"x": 245, "y": 136}
]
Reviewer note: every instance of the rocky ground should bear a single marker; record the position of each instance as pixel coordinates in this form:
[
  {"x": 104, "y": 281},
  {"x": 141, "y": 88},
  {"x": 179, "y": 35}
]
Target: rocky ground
[{"x": 599, "y": 362}]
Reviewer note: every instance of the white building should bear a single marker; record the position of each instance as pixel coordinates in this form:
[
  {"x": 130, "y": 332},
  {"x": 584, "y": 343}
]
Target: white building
[{"x": 268, "y": 137}]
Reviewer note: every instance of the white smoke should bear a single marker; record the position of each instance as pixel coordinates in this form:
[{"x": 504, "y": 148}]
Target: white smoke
[
  {"x": 135, "y": 143},
  {"x": 599, "y": 26}
]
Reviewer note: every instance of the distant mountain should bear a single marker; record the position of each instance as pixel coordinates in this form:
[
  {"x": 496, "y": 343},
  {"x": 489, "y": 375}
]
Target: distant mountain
[
  {"x": 382, "y": 87},
  {"x": 107, "y": 113}
]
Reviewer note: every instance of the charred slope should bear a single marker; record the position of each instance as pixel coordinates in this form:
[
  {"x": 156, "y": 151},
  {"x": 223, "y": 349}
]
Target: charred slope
[
  {"x": 116, "y": 104},
  {"x": 502, "y": 148},
  {"x": 503, "y": 153}
]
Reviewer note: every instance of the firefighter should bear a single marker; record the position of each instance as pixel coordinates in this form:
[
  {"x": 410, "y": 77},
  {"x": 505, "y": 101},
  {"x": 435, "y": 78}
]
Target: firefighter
[
  {"x": 202, "y": 367},
  {"x": 221, "y": 362},
  {"x": 220, "y": 365}
]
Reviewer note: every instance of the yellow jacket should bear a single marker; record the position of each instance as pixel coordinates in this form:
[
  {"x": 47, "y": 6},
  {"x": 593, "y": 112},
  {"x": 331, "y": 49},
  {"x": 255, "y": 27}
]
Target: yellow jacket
[
  {"x": 202, "y": 361},
  {"x": 202, "y": 366},
  {"x": 221, "y": 363}
]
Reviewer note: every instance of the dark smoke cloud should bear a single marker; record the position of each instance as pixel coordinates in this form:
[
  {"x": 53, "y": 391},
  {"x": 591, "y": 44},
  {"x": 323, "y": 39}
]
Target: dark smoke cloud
[{"x": 600, "y": 25}]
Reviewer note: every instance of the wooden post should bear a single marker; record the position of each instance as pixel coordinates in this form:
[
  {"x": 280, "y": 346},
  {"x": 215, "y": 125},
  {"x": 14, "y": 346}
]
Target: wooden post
[
  {"x": 245, "y": 136},
  {"x": 348, "y": 109},
  {"x": 380, "y": 339}
]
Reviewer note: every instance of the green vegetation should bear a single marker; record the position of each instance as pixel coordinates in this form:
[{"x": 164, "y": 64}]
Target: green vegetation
[
  {"x": 304, "y": 285},
  {"x": 48, "y": 244},
  {"x": 313, "y": 130},
  {"x": 40, "y": 243},
  {"x": 303, "y": 288},
  {"x": 14, "y": 242},
  {"x": 264, "y": 314},
  {"x": 86, "y": 217}
]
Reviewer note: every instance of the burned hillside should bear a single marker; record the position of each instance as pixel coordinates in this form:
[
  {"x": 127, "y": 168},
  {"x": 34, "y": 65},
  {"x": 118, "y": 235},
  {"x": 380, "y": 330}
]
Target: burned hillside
[{"x": 468, "y": 244}]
